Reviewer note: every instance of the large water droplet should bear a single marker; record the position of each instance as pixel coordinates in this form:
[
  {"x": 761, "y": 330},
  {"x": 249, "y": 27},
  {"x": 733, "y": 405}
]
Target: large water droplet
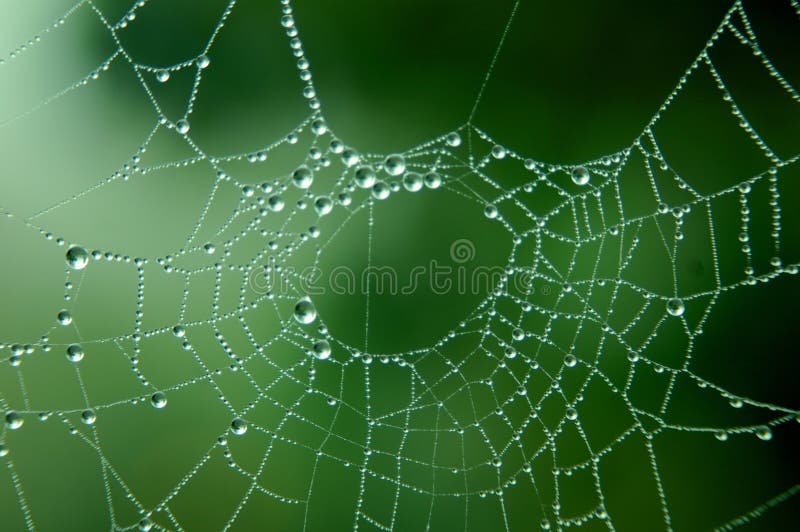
[
  {"x": 14, "y": 420},
  {"x": 302, "y": 177},
  {"x": 675, "y": 307},
  {"x": 322, "y": 349},
  {"x": 182, "y": 126},
  {"x": 580, "y": 175},
  {"x": 64, "y": 318},
  {"x": 305, "y": 312},
  {"x": 158, "y": 400},
  {"x": 394, "y": 165},
  {"x": 74, "y": 353},
  {"x": 238, "y": 426},
  {"x": 365, "y": 177},
  {"x": 77, "y": 258},
  {"x": 88, "y": 417}
]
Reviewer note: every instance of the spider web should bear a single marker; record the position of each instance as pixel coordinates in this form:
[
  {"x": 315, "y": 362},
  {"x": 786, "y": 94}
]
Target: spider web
[{"x": 507, "y": 421}]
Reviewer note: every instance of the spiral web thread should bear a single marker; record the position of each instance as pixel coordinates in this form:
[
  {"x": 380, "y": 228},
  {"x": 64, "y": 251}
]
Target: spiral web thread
[{"x": 513, "y": 329}]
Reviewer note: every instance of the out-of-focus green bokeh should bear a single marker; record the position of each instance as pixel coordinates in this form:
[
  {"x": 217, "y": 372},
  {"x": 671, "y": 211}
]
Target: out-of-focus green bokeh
[{"x": 573, "y": 82}]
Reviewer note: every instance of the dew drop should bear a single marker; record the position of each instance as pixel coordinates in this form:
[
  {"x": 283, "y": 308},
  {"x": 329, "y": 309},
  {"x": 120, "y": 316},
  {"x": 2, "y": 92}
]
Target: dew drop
[
  {"x": 162, "y": 76},
  {"x": 412, "y": 181},
  {"x": 580, "y": 175},
  {"x": 275, "y": 203},
  {"x": 305, "y": 312},
  {"x": 77, "y": 258},
  {"x": 432, "y": 180},
  {"x": 182, "y": 126},
  {"x": 453, "y": 139},
  {"x": 203, "y": 61},
  {"x": 380, "y": 190},
  {"x": 158, "y": 400},
  {"x": 88, "y": 417},
  {"x": 499, "y": 152},
  {"x": 365, "y": 177},
  {"x": 13, "y": 420},
  {"x": 64, "y": 318},
  {"x": 322, "y": 349},
  {"x": 764, "y": 433},
  {"x": 3, "y": 450},
  {"x": 238, "y": 426},
  {"x": 570, "y": 361},
  {"x": 675, "y": 307},
  {"x": 145, "y": 525},
  {"x": 209, "y": 248},
  {"x": 74, "y": 353},
  {"x": 323, "y": 205},
  {"x": 394, "y": 165},
  {"x": 302, "y": 177},
  {"x": 491, "y": 212},
  {"x": 572, "y": 414}
]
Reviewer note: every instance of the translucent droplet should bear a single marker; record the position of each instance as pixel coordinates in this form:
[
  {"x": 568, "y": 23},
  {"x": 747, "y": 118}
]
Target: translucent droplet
[
  {"x": 77, "y": 258},
  {"x": 158, "y": 400},
  {"x": 209, "y": 248},
  {"x": 182, "y": 126},
  {"x": 319, "y": 127},
  {"x": 433, "y": 180},
  {"x": 453, "y": 139},
  {"x": 572, "y": 414},
  {"x": 179, "y": 331},
  {"x": 162, "y": 76},
  {"x": 350, "y": 157},
  {"x": 305, "y": 312},
  {"x": 675, "y": 307},
  {"x": 275, "y": 203},
  {"x": 380, "y": 190},
  {"x": 238, "y": 426},
  {"x": 64, "y": 318},
  {"x": 74, "y": 353},
  {"x": 365, "y": 177},
  {"x": 394, "y": 165},
  {"x": 323, "y": 205},
  {"x": 302, "y": 177},
  {"x": 14, "y": 420},
  {"x": 491, "y": 212},
  {"x": 3, "y": 450},
  {"x": 145, "y": 525},
  {"x": 570, "y": 361},
  {"x": 203, "y": 61},
  {"x": 499, "y": 152},
  {"x": 721, "y": 435},
  {"x": 412, "y": 181},
  {"x": 580, "y": 175},
  {"x": 764, "y": 433},
  {"x": 88, "y": 417},
  {"x": 322, "y": 349}
]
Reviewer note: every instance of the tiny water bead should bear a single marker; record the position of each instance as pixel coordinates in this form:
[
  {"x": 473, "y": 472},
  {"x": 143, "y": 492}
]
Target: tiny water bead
[
  {"x": 179, "y": 331},
  {"x": 499, "y": 152},
  {"x": 365, "y": 177},
  {"x": 162, "y": 76},
  {"x": 412, "y": 182},
  {"x": 13, "y": 420},
  {"x": 570, "y": 361},
  {"x": 203, "y": 61},
  {"x": 580, "y": 175},
  {"x": 77, "y": 258},
  {"x": 276, "y": 203},
  {"x": 209, "y": 248},
  {"x": 394, "y": 165},
  {"x": 571, "y": 414},
  {"x": 158, "y": 400},
  {"x": 491, "y": 212},
  {"x": 764, "y": 433},
  {"x": 64, "y": 318},
  {"x": 88, "y": 417},
  {"x": 305, "y": 312},
  {"x": 676, "y": 307},
  {"x": 238, "y": 426},
  {"x": 322, "y": 349},
  {"x": 453, "y": 140},
  {"x": 3, "y": 450},
  {"x": 145, "y": 525},
  {"x": 74, "y": 353},
  {"x": 182, "y": 126},
  {"x": 302, "y": 177}
]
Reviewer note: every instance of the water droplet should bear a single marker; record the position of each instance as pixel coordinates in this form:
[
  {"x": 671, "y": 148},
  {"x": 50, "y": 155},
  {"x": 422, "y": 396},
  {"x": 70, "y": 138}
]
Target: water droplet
[
  {"x": 179, "y": 331},
  {"x": 570, "y": 361},
  {"x": 323, "y": 205},
  {"x": 491, "y": 212},
  {"x": 365, "y": 177},
  {"x": 14, "y": 420},
  {"x": 77, "y": 258},
  {"x": 453, "y": 139},
  {"x": 412, "y": 181},
  {"x": 572, "y": 414},
  {"x": 3, "y": 450},
  {"x": 764, "y": 433},
  {"x": 394, "y": 165},
  {"x": 432, "y": 180},
  {"x": 145, "y": 524},
  {"x": 88, "y": 417},
  {"x": 322, "y": 349},
  {"x": 238, "y": 426},
  {"x": 158, "y": 400},
  {"x": 319, "y": 127},
  {"x": 380, "y": 190},
  {"x": 162, "y": 76},
  {"x": 203, "y": 61},
  {"x": 305, "y": 312},
  {"x": 675, "y": 307},
  {"x": 580, "y": 175},
  {"x": 350, "y": 157},
  {"x": 74, "y": 353},
  {"x": 499, "y": 152},
  {"x": 182, "y": 126},
  {"x": 64, "y": 318},
  {"x": 302, "y": 177},
  {"x": 275, "y": 203},
  {"x": 721, "y": 435}
]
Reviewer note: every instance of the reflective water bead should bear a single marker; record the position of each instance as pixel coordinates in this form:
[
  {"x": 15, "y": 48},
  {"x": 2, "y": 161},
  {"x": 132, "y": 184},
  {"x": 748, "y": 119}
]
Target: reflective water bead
[
  {"x": 675, "y": 307},
  {"x": 77, "y": 258},
  {"x": 209, "y": 248},
  {"x": 238, "y": 426},
  {"x": 64, "y": 318},
  {"x": 162, "y": 76},
  {"x": 158, "y": 400},
  {"x": 14, "y": 420},
  {"x": 74, "y": 353},
  {"x": 145, "y": 525},
  {"x": 182, "y": 126},
  {"x": 380, "y": 190},
  {"x": 580, "y": 175},
  {"x": 499, "y": 152},
  {"x": 365, "y": 177},
  {"x": 453, "y": 139},
  {"x": 179, "y": 331},
  {"x": 491, "y": 212},
  {"x": 412, "y": 181},
  {"x": 394, "y": 165},
  {"x": 322, "y": 349},
  {"x": 3, "y": 450},
  {"x": 764, "y": 433},
  {"x": 88, "y": 417},
  {"x": 203, "y": 61},
  {"x": 302, "y": 177},
  {"x": 432, "y": 180},
  {"x": 323, "y": 205},
  {"x": 305, "y": 312},
  {"x": 275, "y": 203}
]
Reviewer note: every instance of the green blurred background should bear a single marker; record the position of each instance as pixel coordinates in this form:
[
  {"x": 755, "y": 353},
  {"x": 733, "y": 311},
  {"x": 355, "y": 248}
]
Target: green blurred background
[{"x": 574, "y": 82}]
